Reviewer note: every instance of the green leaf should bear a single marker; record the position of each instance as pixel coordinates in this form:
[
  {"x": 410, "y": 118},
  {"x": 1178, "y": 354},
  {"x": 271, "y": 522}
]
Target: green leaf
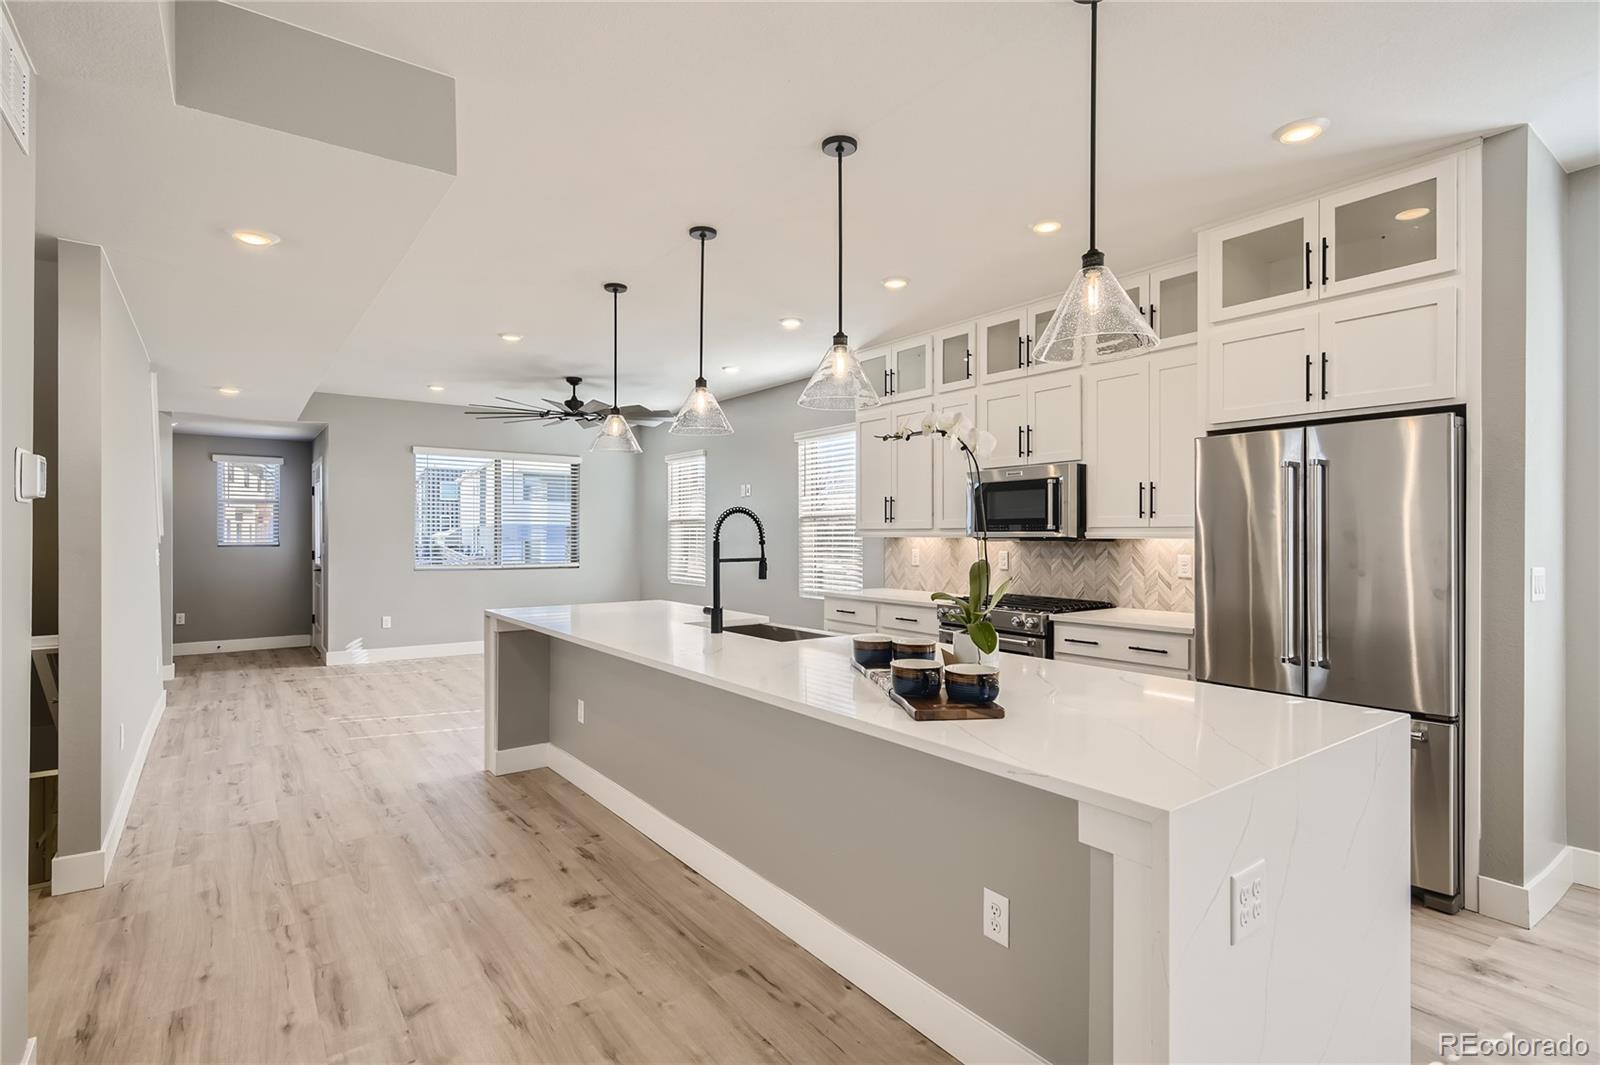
[
  {"x": 984, "y": 638},
  {"x": 947, "y": 597},
  {"x": 1000, "y": 592},
  {"x": 978, "y": 582}
]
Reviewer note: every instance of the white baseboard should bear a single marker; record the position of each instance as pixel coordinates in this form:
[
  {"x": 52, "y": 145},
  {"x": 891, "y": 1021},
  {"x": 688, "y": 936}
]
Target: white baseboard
[
  {"x": 357, "y": 655},
  {"x": 936, "y": 1015},
  {"x": 1585, "y": 867},
  {"x": 255, "y": 643},
  {"x": 87, "y": 870},
  {"x": 30, "y": 1051},
  {"x": 169, "y": 672},
  {"x": 1525, "y": 905},
  {"x": 519, "y": 759}
]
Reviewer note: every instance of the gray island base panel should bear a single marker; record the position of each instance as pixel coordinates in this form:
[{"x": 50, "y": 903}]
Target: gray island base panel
[{"x": 1113, "y": 810}]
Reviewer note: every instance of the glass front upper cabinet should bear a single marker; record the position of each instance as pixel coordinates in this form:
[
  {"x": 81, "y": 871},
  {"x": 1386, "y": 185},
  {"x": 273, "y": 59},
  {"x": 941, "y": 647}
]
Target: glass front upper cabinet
[
  {"x": 1175, "y": 304},
  {"x": 1396, "y": 228},
  {"x": 955, "y": 357},
  {"x": 1264, "y": 263},
  {"x": 1003, "y": 345},
  {"x": 875, "y": 364},
  {"x": 911, "y": 368}
]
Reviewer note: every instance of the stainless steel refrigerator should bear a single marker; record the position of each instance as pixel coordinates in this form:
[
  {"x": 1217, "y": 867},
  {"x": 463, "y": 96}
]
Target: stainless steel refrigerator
[{"x": 1331, "y": 566}]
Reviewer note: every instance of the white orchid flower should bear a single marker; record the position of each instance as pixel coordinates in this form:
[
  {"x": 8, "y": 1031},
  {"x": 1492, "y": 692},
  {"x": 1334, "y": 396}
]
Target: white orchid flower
[
  {"x": 986, "y": 444},
  {"x": 950, "y": 419},
  {"x": 930, "y": 420}
]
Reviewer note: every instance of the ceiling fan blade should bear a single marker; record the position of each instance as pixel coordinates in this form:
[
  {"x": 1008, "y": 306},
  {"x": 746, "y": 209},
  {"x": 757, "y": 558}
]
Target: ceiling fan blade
[
  {"x": 595, "y": 406},
  {"x": 508, "y": 401}
]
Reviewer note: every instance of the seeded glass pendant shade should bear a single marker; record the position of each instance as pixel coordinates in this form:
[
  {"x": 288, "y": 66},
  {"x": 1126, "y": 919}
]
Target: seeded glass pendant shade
[
  {"x": 839, "y": 382},
  {"x": 701, "y": 414},
  {"x": 1095, "y": 317},
  {"x": 615, "y": 432}
]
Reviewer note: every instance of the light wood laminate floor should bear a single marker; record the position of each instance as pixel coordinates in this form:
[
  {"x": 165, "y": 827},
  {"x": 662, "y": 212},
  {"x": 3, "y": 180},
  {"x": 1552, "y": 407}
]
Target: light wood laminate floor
[{"x": 316, "y": 869}]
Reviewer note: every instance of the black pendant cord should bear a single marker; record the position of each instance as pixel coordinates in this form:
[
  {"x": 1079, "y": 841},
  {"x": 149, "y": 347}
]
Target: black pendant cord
[
  {"x": 615, "y": 373},
  {"x": 1094, "y": 91},
  {"x": 700, "y": 381},
  {"x": 840, "y": 154}
]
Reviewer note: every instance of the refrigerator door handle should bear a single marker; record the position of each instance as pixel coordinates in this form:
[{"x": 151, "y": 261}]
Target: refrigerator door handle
[
  {"x": 1291, "y": 564},
  {"x": 1457, "y": 605},
  {"x": 1317, "y": 534}
]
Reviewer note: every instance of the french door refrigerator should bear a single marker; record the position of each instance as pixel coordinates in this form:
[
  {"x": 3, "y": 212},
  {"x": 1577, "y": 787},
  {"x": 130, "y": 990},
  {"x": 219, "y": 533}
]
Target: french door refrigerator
[{"x": 1331, "y": 567}]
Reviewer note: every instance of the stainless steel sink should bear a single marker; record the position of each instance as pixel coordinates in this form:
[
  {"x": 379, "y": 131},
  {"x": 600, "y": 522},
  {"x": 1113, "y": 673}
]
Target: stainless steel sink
[{"x": 777, "y": 633}]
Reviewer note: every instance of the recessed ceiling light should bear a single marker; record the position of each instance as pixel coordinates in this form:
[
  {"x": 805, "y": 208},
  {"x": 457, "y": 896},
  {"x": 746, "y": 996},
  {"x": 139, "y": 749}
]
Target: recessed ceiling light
[
  {"x": 255, "y": 238},
  {"x": 791, "y": 323},
  {"x": 895, "y": 282},
  {"x": 511, "y": 338},
  {"x": 1300, "y": 131},
  {"x": 730, "y": 369},
  {"x": 1046, "y": 227},
  {"x": 1411, "y": 214},
  {"x": 436, "y": 388},
  {"x": 228, "y": 390}
]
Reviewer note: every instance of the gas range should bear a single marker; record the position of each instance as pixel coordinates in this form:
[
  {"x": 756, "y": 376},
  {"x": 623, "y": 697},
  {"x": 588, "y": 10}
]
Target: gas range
[{"x": 1023, "y": 621}]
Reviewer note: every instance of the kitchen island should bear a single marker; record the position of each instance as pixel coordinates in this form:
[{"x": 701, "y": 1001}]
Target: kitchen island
[{"x": 1112, "y": 811}]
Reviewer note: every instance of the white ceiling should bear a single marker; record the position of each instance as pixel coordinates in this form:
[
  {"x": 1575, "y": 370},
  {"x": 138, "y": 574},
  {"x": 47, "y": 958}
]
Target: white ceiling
[
  {"x": 221, "y": 425},
  {"x": 592, "y": 136}
]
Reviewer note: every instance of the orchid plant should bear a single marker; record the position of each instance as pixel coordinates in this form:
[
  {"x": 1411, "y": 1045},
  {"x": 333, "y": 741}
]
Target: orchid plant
[{"x": 962, "y": 435}]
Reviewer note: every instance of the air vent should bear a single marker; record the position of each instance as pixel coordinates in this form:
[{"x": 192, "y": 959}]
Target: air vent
[{"x": 16, "y": 84}]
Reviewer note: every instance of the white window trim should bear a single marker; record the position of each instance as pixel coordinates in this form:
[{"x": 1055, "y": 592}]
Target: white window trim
[
  {"x": 680, "y": 456},
  {"x": 488, "y": 453},
  {"x": 800, "y": 438},
  {"x": 219, "y": 460}
]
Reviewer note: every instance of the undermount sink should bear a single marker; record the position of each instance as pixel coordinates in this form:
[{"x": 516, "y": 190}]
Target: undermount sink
[{"x": 777, "y": 633}]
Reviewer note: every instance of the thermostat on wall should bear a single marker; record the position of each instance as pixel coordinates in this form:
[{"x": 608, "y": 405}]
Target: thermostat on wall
[{"x": 30, "y": 482}]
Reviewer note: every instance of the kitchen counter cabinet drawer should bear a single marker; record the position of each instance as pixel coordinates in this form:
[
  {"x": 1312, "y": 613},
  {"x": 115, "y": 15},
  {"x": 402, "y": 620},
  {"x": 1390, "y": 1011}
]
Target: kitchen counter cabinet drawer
[
  {"x": 1162, "y": 650},
  {"x": 851, "y": 612},
  {"x": 923, "y": 619},
  {"x": 846, "y": 628}
]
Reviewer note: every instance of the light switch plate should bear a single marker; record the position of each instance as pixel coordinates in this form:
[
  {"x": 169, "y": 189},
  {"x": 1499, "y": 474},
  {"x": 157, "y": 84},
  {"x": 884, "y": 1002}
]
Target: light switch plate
[
  {"x": 1247, "y": 901},
  {"x": 745, "y": 491},
  {"x": 916, "y": 556},
  {"x": 388, "y": 622},
  {"x": 1536, "y": 584},
  {"x": 1186, "y": 567},
  {"x": 1005, "y": 559},
  {"x": 180, "y": 618}
]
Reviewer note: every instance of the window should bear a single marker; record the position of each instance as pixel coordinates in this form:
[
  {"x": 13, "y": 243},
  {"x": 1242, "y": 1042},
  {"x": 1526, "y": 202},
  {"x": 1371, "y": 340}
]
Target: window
[
  {"x": 830, "y": 547},
  {"x": 247, "y": 500},
  {"x": 686, "y": 518},
  {"x": 491, "y": 508}
]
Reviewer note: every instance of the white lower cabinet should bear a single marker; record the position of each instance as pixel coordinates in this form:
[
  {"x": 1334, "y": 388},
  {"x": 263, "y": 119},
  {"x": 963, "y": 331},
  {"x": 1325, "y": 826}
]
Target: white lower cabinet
[
  {"x": 893, "y": 617},
  {"x": 1160, "y": 653},
  {"x": 1141, "y": 417},
  {"x": 1378, "y": 349}
]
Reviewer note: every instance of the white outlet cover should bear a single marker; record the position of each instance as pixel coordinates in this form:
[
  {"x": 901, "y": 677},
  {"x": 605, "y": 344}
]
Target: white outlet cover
[
  {"x": 1005, "y": 558},
  {"x": 180, "y": 619},
  {"x": 916, "y": 556},
  {"x": 1247, "y": 901},
  {"x": 388, "y": 622},
  {"x": 1185, "y": 566},
  {"x": 997, "y": 918},
  {"x": 1536, "y": 584},
  {"x": 580, "y": 711}
]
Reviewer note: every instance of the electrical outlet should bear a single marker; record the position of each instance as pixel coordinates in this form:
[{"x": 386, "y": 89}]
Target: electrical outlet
[
  {"x": 997, "y": 917},
  {"x": 122, "y": 737},
  {"x": 1185, "y": 567},
  {"x": 388, "y": 622},
  {"x": 580, "y": 711},
  {"x": 916, "y": 556},
  {"x": 1536, "y": 584},
  {"x": 181, "y": 619},
  {"x": 1005, "y": 559},
  {"x": 744, "y": 491},
  {"x": 1247, "y": 901}
]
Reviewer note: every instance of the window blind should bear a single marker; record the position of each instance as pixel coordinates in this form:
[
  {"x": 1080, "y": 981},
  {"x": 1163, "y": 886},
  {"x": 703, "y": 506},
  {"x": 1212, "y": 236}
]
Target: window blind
[
  {"x": 247, "y": 500},
  {"x": 686, "y": 518},
  {"x": 477, "y": 509},
  {"x": 830, "y": 547}
]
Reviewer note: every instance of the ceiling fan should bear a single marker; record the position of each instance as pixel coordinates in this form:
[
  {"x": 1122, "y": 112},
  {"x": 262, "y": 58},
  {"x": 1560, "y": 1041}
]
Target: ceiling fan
[{"x": 571, "y": 409}]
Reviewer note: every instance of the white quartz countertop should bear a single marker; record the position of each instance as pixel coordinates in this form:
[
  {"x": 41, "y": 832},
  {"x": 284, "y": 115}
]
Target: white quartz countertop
[
  {"x": 1121, "y": 617},
  {"x": 1137, "y": 744},
  {"x": 898, "y": 596}
]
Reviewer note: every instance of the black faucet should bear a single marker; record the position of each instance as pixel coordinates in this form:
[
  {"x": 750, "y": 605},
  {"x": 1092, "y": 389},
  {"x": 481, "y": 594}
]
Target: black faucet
[{"x": 715, "y": 610}]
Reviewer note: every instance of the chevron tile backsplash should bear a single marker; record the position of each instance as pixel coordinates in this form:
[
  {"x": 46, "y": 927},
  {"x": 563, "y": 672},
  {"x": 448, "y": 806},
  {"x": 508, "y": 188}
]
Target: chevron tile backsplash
[{"x": 1132, "y": 573}]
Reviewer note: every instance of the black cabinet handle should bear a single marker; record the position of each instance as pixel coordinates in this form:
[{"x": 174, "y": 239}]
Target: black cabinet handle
[
  {"x": 886, "y": 382},
  {"x": 969, "y": 366},
  {"x": 1030, "y": 440},
  {"x": 842, "y": 610},
  {"x": 891, "y": 382},
  {"x": 1152, "y": 314},
  {"x": 1141, "y": 499},
  {"x": 891, "y": 510},
  {"x": 1324, "y": 375},
  {"x": 1020, "y": 452},
  {"x": 1146, "y": 650},
  {"x": 1027, "y": 359},
  {"x": 1324, "y": 261},
  {"x": 1019, "y": 353},
  {"x": 1308, "y": 378},
  {"x": 1086, "y": 643},
  {"x": 909, "y": 621},
  {"x": 1308, "y": 264},
  {"x": 886, "y": 510},
  {"x": 1152, "y": 499}
]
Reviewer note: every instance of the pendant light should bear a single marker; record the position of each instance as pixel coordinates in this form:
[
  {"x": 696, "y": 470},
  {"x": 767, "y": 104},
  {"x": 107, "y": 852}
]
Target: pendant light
[
  {"x": 1095, "y": 315},
  {"x": 615, "y": 432},
  {"x": 701, "y": 414},
  {"x": 839, "y": 383}
]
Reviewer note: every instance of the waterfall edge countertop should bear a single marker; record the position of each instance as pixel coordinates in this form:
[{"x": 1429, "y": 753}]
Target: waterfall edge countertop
[{"x": 1138, "y": 744}]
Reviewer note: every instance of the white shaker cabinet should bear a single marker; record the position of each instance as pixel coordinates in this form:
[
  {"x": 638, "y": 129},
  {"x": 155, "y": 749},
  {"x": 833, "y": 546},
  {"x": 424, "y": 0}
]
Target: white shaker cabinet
[
  {"x": 1262, "y": 368},
  {"x": 1174, "y": 424},
  {"x": 955, "y": 358},
  {"x": 951, "y": 469},
  {"x": 1054, "y": 432},
  {"x": 874, "y": 469},
  {"x": 911, "y": 501},
  {"x": 1003, "y": 411},
  {"x": 1116, "y": 443},
  {"x": 1265, "y": 263},
  {"x": 1400, "y": 227},
  {"x": 1395, "y": 346}
]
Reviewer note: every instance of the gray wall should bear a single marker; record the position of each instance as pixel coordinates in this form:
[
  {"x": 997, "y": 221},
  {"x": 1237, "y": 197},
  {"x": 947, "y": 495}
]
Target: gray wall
[
  {"x": 1583, "y": 508},
  {"x": 16, "y": 536},
  {"x": 110, "y": 582},
  {"x": 370, "y": 515},
  {"x": 760, "y": 453},
  {"x": 164, "y": 421},
  {"x": 239, "y": 593},
  {"x": 890, "y": 844}
]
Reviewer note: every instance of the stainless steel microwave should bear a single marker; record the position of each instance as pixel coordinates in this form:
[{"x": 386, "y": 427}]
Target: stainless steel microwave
[{"x": 1047, "y": 500}]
